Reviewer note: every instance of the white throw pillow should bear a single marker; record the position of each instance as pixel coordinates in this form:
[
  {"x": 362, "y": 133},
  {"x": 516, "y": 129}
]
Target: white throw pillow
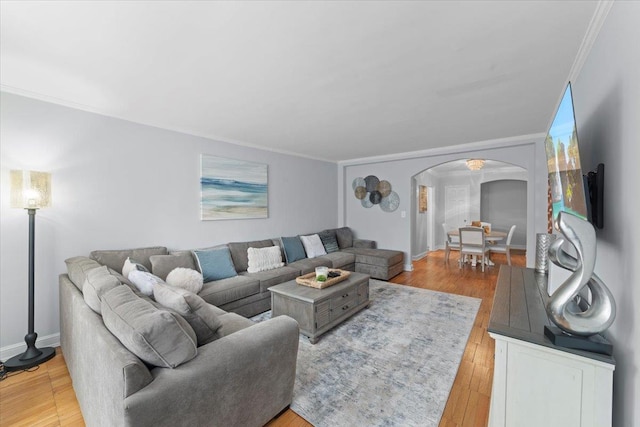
[
  {"x": 130, "y": 265},
  {"x": 262, "y": 259},
  {"x": 144, "y": 281},
  {"x": 185, "y": 278},
  {"x": 313, "y": 246}
]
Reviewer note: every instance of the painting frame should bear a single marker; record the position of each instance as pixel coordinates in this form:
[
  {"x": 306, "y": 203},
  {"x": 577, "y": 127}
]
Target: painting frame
[
  {"x": 233, "y": 189},
  {"x": 422, "y": 199}
]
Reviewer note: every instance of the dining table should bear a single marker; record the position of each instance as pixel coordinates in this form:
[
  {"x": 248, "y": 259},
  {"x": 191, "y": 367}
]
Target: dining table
[{"x": 491, "y": 236}]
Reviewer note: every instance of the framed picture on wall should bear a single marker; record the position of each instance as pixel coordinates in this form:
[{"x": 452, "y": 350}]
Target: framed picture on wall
[
  {"x": 232, "y": 189},
  {"x": 422, "y": 198}
]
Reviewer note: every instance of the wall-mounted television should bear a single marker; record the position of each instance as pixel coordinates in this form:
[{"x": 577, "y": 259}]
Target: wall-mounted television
[{"x": 566, "y": 180}]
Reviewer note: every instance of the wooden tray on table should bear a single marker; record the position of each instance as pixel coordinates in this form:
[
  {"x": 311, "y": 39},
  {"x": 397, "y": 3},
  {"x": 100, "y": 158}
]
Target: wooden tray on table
[{"x": 310, "y": 279}]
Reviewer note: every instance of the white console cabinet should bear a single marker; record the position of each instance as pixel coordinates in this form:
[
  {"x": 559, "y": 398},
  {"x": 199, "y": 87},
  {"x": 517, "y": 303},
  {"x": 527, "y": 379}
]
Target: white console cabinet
[{"x": 536, "y": 383}]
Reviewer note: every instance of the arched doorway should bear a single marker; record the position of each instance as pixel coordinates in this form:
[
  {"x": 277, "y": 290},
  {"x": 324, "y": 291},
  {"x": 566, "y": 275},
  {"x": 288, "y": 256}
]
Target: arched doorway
[{"x": 454, "y": 196}]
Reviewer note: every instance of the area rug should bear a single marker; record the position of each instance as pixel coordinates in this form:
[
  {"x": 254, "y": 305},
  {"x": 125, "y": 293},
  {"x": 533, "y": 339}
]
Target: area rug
[{"x": 392, "y": 364}]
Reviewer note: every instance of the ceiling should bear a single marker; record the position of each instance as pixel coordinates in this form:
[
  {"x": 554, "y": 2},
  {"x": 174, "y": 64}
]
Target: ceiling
[{"x": 329, "y": 80}]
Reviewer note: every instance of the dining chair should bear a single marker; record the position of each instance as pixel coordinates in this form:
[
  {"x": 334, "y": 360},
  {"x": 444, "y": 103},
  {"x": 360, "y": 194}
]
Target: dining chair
[
  {"x": 472, "y": 242},
  {"x": 451, "y": 243},
  {"x": 505, "y": 248}
]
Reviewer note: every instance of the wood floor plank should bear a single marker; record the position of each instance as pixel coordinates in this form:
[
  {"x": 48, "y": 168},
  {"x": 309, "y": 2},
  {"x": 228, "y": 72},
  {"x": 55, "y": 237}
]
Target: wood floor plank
[{"x": 45, "y": 397}]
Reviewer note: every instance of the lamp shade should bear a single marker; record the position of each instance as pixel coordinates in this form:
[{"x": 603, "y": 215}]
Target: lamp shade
[{"x": 30, "y": 189}]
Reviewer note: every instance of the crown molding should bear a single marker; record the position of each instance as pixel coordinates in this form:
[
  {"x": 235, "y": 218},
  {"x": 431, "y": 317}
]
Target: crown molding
[
  {"x": 595, "y": 25},
  {"x": 454, "y": 149},
  {"x": 94, "y": 110}
]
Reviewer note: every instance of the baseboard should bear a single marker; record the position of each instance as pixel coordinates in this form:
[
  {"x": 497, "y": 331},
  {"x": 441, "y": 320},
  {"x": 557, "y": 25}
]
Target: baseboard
[
  {"x": 420, "y": 256},
  {"x": 15, "y": 349},
  {"x": 408, "y": 267}
]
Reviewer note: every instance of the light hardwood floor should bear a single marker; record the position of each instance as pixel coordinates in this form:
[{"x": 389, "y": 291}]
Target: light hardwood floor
[{"x": 45, "y": 397}]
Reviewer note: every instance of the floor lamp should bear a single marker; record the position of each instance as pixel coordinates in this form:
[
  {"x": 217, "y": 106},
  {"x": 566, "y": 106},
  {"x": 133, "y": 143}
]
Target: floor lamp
[{"x": 30, "y": 190}]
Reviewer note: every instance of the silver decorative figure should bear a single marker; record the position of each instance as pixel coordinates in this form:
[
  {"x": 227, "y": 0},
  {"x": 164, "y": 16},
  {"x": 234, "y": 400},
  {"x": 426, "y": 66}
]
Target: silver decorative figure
[{"x": 571, "y": 317}]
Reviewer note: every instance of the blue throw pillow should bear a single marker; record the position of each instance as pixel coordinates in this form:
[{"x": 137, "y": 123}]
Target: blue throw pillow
[
  {"x": 293, "y": 249},
  {"x": 215, "y": 264}
]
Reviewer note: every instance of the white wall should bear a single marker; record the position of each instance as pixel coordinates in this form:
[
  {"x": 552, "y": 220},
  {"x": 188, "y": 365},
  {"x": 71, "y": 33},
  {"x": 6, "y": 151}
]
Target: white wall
[
  {"x": 420, "y": 237},
  {"x": 392, "y": 230},
  {"x": 607, "y": 107},
  {"x": 118, "y": 184}
]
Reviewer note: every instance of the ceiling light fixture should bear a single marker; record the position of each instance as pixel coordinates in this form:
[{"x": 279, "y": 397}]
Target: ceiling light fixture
[{"x": 475, "y": 164}]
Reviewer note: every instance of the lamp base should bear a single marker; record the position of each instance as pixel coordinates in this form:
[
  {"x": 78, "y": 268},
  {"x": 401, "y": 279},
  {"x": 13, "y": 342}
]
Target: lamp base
[{"x": 30, "y": 358}]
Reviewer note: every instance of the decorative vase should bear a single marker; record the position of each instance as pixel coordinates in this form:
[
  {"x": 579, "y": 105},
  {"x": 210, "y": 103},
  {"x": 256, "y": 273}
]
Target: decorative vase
[{"x": 322, "y": 273}]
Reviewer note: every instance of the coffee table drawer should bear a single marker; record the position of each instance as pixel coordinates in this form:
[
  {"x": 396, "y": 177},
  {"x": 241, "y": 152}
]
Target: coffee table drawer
[{"x": 344, "y": 297}]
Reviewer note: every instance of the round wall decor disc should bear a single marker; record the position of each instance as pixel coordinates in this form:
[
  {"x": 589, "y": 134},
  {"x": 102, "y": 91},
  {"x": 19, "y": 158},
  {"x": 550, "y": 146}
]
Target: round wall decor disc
[
  {"x": 384, "y": 187},
  {"x": 372, "y": 183},
  {"x": 390, "y": 203}
]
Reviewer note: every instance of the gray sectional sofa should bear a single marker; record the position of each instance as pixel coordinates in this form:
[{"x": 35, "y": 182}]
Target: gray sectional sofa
[
  {"x": 247, "y": 293},
  {"x": 135, "y": 361}
]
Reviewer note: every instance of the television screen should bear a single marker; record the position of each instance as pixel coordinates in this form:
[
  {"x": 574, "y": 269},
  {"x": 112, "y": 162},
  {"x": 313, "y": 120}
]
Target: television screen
[{"x": 563, "y": 161}]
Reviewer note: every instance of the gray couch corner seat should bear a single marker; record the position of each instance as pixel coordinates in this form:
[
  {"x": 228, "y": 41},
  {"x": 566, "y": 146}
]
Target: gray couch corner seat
[{"x": 245, "y": 377}]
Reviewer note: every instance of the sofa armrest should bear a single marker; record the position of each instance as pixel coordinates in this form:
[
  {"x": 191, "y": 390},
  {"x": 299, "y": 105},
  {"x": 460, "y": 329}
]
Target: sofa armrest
[
  {"x": 362, "y": 243},
  {"x": 243, "y": 379}
]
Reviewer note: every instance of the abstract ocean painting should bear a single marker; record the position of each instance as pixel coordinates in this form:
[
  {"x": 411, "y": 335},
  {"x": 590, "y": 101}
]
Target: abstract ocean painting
[{"x": 233, "y": 189}]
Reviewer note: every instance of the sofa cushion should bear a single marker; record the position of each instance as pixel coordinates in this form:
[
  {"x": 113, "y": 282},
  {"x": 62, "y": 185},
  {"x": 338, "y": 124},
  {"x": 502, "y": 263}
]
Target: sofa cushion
[
  {"x": 329, "y": 241},
  {"x": 344, "y": 236},
  {"x": 97, "y": 283},
  {"x": 313, "y": 246},
  {"x": 293, "y": 249},
  {"x": 130, "y": 265},
  {"x": 262, "y": 259},
  {"x": 201, "y": 316},
  {"x": 239, "y": 253},
  {"x": 186, "y": 278},
  {"x": 158, "y": 337},
  {"x": 340, "y": 259},
  {"x": 162, "y": 265},
  {"x": 78, "y": 267},
  {"x": 115, "y": 258},
  {"x": 231, "y": 323},
  {"x": 221, "y": 292},
  {"x": 215, "y": 264},
  {"x": 308, "y": 265},
  {"x": 273, "y": 277}
]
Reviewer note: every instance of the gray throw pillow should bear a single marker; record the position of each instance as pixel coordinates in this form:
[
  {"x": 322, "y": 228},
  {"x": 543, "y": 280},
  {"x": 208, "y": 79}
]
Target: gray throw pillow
[
  {"x": 162, "y": 265},
  {"x": 98, "y": 282},
  {"x": 158, "y": 337},
  {"x": 215, "y": 264},
  {"x": 329, "y": 240},
  {"x": 201, "y": 316},
  {"x": 293, "y": 249}
]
